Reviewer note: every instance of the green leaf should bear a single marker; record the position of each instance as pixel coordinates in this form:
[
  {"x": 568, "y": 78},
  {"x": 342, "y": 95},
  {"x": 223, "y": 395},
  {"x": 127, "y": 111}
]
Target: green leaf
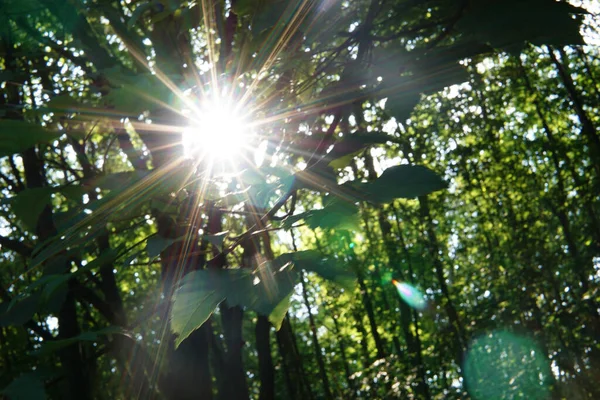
[
  {"x": 140, "y": 92},
  {"x": 276, "y": 282},
  {"x": 92, "y": 336},
  {"x": 138, "y": 12},
  {"x": 326, "y": 267},
  {"x": 55, "y": 281},
  {"x": 118, "y": 181},
  {"x": 402, "y": 105},
  {"x": 19, "y": 311},
  {"x": 62, "y": 105},
  {"x": 346, "y": 149},
  {"x": 202, "y": 291},
  {"x": 29, "y": 204},
  {"x": 278, "y": 314},
  {"x": 268, "y": 16},
  {"x": 244, "y": 7},
  {"x": 17, "y": 136},
  {"x": 337, "y": 214},
  {"x": 195, "y": 300},
  {"x": 156, "y": 244},
  {"x": 217, "y": 239},
  {"x": 509, "y": 24},
  {"x": 25, "y": 387},
  {"x": 401, "y": 181},
  {"x": 289, "y": 222}
]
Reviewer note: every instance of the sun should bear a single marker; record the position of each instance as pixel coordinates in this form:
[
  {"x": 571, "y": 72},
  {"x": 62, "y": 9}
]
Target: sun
[{"x": 219, "y": 133}]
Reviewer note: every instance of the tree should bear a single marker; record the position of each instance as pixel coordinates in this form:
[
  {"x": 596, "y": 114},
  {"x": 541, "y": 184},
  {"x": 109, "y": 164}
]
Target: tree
[{"x": 147, "y": 254}]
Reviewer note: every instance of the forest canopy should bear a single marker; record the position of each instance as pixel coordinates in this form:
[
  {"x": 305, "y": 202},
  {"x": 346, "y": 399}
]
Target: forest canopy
[{"x": 299, "y": 199}]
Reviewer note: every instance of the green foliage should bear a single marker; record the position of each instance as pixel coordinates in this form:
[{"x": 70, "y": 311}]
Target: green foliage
[
  {"x": 509, "y": 128},
  {"x": 91, "y": 336},
  {"x": 349, "y": 147},
  {"x": 20, "y": 312},
  {"x": 509, "y": 24},
  {"x": 266, "y": 290},
  {"x": 336, "y": 214},
  {"x": 216, "y": 239},
  {"x": 17, "y": 136},
  {"x": 328, "y": 268},
  {"x": 29, "y": 204},
  {"x": 401, "y": 181},
  {"x": 157, "y": 244},
  {"x": 26, "y": 387},
  {"x": 201, "y": 292}
]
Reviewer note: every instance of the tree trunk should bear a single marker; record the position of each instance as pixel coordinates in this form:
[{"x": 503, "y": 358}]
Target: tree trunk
[
  {"x": 265, "y": 359},
  {"x": 587, "y": 127},
  {"x": 315, "y": 339}
]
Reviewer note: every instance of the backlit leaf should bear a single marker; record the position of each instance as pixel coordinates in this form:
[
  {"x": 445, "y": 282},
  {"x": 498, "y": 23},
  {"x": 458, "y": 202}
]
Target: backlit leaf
[{"x": 402, "y": 181}]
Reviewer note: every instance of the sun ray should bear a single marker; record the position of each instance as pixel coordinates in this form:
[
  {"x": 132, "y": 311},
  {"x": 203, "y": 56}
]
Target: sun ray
[{"x": 284, "y": 35}]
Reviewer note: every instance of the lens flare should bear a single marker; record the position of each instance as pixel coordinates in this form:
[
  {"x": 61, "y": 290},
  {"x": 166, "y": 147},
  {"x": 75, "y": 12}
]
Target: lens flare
[
  {"x": 504, "y": 365},
  {"x": 218, "y": 133},
  {"x": 411, "y": 295}
]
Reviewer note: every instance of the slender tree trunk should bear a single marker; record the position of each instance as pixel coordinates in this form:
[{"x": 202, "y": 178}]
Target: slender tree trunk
[
  {"x": 406, "y": 313},
  {"x": 364, "y": 338},
  {"x": 236, "y": 386},
  {"x": 263, "y": 341},
  {"x": 299, "y": 378},
  {"x": 434, "y": 251},
  {"x": 378, "y": 279},
  {"x": 415, "y": 347},
  {"x": 588, "y": 69},
  {"x": 73, "y": 364},
  {"x": 368, "y": 304},
  {"x": 315, "y": 340},
  {"x": 265, "y": 360},
  {"x": 557, "y": 153},
  {"x": 291, "y": 388},
  {"x": 343, "y": 354},
  {"x": 587, "y": 127}
]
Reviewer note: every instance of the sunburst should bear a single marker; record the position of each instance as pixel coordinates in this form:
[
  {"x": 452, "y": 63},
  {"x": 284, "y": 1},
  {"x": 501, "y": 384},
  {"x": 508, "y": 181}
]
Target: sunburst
[{"x": 219, "y": 133}]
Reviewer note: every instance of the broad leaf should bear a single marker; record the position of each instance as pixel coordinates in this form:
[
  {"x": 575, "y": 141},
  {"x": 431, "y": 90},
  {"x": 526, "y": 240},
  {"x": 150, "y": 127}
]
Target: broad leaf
[
  {"x": 17, "y": 136},
  {"x": 402, "y": 105},
  {"x": 202, "y": 291},
  {"x": 92, "y": 336},
  {"x": 346, "y": 149},
  {"x": 278, "y": 314},
  {"x": 25, "y": 387},
  {"x": 54, "y": 281},
  {"x": 19, "y": 311},
  {"x": 29, "y": 204},
  {"x": 216, "y": 239},
  {"x": 326, "y": 267},
  {"x": 195, "y": 300},
  {"x": 401, "y": 181},
  {"x": 509, "y": 24},
  {"x": 337, "y": 214},
  {"x": 156, "y": 244}
]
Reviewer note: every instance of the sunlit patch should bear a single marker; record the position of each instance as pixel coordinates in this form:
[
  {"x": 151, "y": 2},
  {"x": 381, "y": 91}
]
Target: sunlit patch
[
  {"x": 219, "y": 133},
  {"x": 411, "y": 295},
  {"x": 503, "y": 365}
]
